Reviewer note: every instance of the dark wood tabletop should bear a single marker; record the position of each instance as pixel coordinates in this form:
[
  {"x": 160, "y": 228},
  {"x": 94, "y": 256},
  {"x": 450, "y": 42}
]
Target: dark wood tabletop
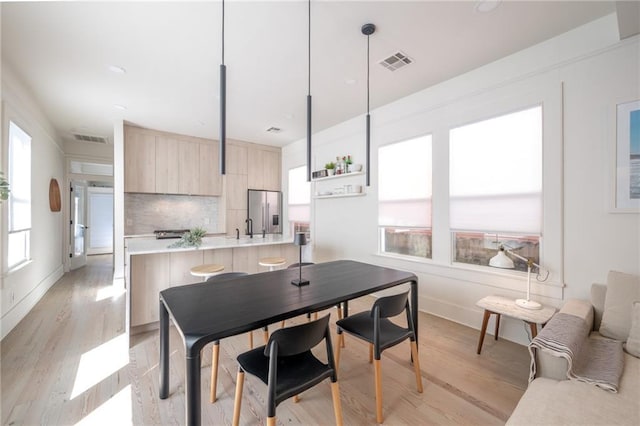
[{"x": 206, "y": 312}]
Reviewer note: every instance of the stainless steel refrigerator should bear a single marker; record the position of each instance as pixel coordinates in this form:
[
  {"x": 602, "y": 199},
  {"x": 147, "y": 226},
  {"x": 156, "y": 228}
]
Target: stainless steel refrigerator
[{"x": 265, "y": 211}]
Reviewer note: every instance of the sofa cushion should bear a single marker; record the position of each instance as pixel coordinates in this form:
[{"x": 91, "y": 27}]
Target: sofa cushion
[
  {"x": 633, "y": 342},
  {"x": 569, "y": 402},
  {"x": 622, "y": 290}
]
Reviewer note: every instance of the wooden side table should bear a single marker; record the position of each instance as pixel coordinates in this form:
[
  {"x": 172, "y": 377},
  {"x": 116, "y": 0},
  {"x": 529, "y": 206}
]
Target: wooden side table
[{"x": 499, "y": 305}]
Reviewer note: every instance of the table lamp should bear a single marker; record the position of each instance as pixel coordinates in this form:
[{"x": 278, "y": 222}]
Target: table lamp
[
  {"x": 501, "y": 260},
  {"x": 300, "y": 240}
]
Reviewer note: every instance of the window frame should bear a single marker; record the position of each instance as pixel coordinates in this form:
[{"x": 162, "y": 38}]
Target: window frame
[
  {"x": 23, "y": 234},
  {"x": 293, "y": 225}
]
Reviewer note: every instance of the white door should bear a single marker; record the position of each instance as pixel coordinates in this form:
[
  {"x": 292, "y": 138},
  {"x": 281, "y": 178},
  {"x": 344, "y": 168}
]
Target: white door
[
  {"x": 78, "y": 224},
  {"x": 100, "y": 220}
]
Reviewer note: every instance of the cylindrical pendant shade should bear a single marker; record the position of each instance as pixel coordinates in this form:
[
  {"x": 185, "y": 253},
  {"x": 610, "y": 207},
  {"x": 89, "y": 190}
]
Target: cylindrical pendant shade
[
  {"x": 223, "y": 119},
  {"x": 308, "y": 138}
]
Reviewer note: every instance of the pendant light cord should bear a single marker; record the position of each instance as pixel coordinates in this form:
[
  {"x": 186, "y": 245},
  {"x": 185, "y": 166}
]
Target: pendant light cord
[
  {"x": 309, "y": 50},
  {"x": 368, "y": 66},
  {"x": 222, "y": 32}
]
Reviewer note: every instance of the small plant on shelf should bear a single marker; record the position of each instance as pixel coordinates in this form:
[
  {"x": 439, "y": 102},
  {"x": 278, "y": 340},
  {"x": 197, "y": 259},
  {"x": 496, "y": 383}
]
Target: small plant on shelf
[
  {"x": 330, "y": 166},
  {"x": 193, "y": 238}
]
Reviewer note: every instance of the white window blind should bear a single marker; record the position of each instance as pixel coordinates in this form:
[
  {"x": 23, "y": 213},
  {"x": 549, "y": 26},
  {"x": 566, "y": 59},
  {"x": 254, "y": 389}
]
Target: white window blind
[
  {"x": 19, "y": 179},
  {"x": 495, "y": 174},
  {"x": 299, "y": 195},
  {"x": 404, "y": 183}
]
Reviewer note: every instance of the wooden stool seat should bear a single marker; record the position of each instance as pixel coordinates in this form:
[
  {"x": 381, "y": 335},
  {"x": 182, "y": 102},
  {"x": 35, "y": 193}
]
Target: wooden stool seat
[
  {"x": 206, "y": 270},
  {"x": 272, "y": 262}
]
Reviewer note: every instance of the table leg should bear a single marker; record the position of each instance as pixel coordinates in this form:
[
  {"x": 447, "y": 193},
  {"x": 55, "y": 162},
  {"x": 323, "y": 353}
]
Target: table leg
[
  {"x": 495, "y": 336},
  {"x": 534, "y": 329},
  {"x": 192, "y": 389},
  {"x": 483, "y": 330},
  {"x": 164, "y": 352}
]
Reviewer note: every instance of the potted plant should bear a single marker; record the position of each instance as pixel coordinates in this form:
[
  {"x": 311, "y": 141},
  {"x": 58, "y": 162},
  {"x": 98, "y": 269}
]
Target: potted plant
[
  {"x": 4, "y": 188},
  {"x": 330, "y": 166},
  {"x": 193, "y": 238}
]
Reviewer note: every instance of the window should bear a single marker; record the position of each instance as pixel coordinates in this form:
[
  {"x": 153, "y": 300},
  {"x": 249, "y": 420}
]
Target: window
[
  {"x": 404, "y": 197},
  {"x": 299, "y": 200},
  {"x": 495, "y": 184},
  {"x": 20, "y": 196}
]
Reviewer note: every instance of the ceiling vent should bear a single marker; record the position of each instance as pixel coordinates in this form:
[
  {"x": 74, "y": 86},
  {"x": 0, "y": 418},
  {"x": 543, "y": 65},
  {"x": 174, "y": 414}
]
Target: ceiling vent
[
  {"x": 273, "y": 129},
  {"x": 396, "y": 61},
  {"x": 90, "y": 138}
]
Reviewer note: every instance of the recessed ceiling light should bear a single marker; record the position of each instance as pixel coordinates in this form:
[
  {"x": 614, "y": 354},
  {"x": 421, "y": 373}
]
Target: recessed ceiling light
[
  {"x": 486, "y": 6},
  {"x": 120, "y": 107},
  {"x": 117, "y": 69}
]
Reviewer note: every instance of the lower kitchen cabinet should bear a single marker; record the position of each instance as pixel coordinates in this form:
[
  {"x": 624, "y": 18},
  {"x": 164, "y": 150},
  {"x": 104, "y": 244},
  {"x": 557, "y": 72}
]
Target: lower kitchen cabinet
[{"x": 149, "y": 276}]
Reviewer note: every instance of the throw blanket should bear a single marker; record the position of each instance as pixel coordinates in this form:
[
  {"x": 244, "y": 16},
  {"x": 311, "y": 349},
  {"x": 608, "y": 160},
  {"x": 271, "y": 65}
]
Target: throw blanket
[{"x": 596, "y": 361}]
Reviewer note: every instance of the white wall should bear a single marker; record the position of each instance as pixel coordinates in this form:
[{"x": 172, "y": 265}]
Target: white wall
[
  {"x": 21, "y": 289},
  {"x": 584, "y": 73}
]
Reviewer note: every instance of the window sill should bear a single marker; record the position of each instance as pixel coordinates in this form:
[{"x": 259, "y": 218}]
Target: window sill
[
  {"x": 18, "y": 267},
  {"x": 491, "y": 277}
]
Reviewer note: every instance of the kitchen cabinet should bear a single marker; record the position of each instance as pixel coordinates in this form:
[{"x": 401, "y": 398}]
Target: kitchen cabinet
[
  {"x": 263, "y": 169},
  {"x": 139, "y": 161},
  {"x": 163, "y": 163},
  {"x": 149, "y": 274}
]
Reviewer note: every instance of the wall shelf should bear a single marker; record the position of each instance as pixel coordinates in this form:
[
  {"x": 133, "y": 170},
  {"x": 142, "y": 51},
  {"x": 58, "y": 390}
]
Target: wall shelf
[
  {"x": 344, "y": 175},
  {"x": 351, "y": 194}
]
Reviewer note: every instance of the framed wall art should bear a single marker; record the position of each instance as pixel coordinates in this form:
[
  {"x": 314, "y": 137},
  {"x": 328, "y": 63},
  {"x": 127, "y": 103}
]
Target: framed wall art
[{"x": 628, "y": 157}]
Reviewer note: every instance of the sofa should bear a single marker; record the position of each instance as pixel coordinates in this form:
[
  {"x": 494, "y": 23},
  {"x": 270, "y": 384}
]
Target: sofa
[{"x": 552, "y": 398}]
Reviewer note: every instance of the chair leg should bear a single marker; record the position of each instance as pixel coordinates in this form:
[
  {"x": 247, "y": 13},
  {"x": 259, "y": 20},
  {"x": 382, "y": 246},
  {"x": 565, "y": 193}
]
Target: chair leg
[
  {"x": 215, "y": 353},
  {"x": 250, "y": 335},
  {"x": 337, "y": 355},
  {"x": 315, "y": 316},
  {"x": 238, "y": 400},
  {"x": 296, "y": 398},
  {"x": 282, "y": 324},
  {"x": 271, "y": 421},
  {"x": 378, "y": 379},
  {"x": 370, "y": 353},
  {"x": 416, "y": 365},
  {"x": 265, "y": 333},
  {"x": 337, "y": 407}
]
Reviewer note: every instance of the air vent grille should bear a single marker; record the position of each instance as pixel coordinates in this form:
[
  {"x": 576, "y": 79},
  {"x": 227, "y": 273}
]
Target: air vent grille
[
  {"x": 273, "y": 129},
  {"x": 90, "y": 138},
  {"x": 396, "y": 61}
]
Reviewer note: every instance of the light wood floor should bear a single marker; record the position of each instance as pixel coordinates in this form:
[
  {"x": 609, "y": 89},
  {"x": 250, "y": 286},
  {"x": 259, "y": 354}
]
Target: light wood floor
[{"x": 68, "y": 362}]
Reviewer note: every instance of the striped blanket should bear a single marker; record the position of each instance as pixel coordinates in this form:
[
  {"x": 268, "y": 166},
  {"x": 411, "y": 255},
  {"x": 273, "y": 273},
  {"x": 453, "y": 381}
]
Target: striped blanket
[{"x": 596, "y": 361}]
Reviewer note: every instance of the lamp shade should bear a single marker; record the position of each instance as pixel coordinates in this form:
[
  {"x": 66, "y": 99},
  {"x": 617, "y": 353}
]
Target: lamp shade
[
  {"x": 501, "y": 260},
  {"x": 300, "y": 239}
]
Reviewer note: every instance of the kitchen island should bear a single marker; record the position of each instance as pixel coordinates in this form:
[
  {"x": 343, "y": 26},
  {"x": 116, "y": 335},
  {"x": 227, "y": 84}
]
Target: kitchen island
[{"x": 152, "y": 266}]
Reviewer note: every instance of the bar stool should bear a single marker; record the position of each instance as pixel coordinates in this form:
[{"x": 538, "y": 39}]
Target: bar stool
[
  {"x": 207, "y": 270},
  {"x": 272, "y": 262}
]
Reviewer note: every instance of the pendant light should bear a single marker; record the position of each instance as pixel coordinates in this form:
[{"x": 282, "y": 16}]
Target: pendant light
[
  {"x": 368, "y": 29},
  {"x": 223, "y": 106},
  {"x": 309, "y": 97}
]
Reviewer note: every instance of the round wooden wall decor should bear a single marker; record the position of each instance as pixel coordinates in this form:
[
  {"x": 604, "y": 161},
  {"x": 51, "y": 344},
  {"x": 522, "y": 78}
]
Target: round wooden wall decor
[{"x": 55, "y": 204}]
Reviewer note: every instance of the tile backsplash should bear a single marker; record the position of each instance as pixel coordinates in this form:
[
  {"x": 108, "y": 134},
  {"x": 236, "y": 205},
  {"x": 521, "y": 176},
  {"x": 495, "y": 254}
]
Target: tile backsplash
[{"x": 145, "y": 213}]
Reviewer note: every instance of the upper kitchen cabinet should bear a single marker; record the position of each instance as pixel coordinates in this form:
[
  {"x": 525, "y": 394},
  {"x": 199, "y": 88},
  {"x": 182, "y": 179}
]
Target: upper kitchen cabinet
[
  {"x": 164, "y": 163},
  {"x": 263, "y": 169},
  {"x": 139, "y": 161}
]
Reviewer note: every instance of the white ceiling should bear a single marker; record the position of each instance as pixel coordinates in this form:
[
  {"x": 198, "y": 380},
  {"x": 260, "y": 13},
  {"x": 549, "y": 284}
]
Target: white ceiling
[{"x": 172, "y": 51}]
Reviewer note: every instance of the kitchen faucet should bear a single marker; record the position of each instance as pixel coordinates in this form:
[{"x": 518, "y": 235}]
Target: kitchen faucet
[
  {"x": 249, "y": 227},
  {"x": 237, "y": 234}
]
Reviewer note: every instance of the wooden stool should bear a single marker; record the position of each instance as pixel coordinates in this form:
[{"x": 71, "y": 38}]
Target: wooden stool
[
  {"x": 207, "y": 270},
  {"x": 272, "y": 262}
]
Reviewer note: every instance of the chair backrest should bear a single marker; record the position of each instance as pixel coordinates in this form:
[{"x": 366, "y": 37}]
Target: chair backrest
[
  {"x": 300, "y": 338},
  {"x": 390, "y": 306},
  {"x": 296, "y": 265},
  {"x": 226, "y": 276}
]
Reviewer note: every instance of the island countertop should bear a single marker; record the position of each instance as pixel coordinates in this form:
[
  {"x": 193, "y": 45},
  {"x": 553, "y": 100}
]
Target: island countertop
[{"x": 149, "y": 245}]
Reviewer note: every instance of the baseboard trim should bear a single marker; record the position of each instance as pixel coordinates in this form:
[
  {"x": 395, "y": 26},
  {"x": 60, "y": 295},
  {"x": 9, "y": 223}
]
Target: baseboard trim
[{"x": 24, "y": 306}]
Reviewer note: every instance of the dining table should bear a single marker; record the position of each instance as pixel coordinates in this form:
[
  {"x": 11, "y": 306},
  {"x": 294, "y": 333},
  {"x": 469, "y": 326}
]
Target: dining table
[{"x": 207, "y": 312}]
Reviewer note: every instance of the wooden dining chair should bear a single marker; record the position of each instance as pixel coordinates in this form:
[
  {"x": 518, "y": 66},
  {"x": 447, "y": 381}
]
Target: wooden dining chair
[
  {"x": 215, "y": 351},
  {"x": 288, "y": 367},
  {"x": 376, "y": 328}
]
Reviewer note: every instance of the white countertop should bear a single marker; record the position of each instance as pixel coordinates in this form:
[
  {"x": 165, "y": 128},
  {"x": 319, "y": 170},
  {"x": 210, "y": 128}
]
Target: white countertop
[{"x": 149, "y": 245}]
